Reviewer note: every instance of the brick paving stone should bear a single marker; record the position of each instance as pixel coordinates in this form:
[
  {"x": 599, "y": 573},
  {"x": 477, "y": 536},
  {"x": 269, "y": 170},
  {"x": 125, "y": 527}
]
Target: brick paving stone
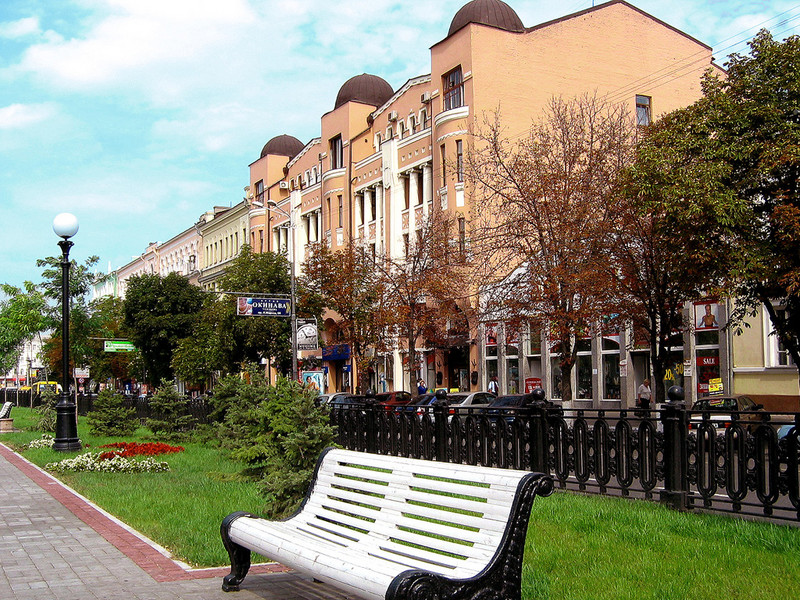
[{"x": 55, "y": 545}]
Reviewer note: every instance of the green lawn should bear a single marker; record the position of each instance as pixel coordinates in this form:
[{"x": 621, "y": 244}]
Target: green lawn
[{"x": 578, "y": 547}]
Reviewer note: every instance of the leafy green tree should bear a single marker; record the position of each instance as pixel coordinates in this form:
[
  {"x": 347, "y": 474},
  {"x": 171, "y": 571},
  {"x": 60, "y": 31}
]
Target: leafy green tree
[
  {"x": 110, "y": 416},
  {"x": 82, "y": 278},
  {"x": 674, "y": 242},
  {"x": 753, "y": 117},
  {"x": 24, "y": 314},
  {"x": 222, "y": 341},
  {"x": 158, "y": 313},
  {"x": 723, "y": 176}
]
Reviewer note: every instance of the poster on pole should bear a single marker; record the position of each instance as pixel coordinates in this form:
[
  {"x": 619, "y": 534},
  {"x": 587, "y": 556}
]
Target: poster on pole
[
  {"x": 307, "y": 334},
  {"x": 313, "y": 380},
  {"x": 263, "y": 307}
]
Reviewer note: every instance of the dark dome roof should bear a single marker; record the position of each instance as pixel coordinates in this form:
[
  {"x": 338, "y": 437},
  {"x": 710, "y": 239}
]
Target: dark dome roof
[
  {"x": 369, "y": 89},
  {"x": 493, "y": 13},
  {"x": 283, "y": 145}
]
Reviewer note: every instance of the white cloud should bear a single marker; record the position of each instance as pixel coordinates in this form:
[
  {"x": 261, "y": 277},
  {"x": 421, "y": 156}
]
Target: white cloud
[
  {"x": 20, "y": 116},
  {"x": 21, "y": 28}
]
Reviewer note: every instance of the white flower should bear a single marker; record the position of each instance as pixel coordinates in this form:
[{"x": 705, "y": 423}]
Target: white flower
[{"x": 90, "y": 461}]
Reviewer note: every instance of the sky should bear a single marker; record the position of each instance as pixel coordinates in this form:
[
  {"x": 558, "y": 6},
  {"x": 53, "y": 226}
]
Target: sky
[{"x": 137, "y": 116}]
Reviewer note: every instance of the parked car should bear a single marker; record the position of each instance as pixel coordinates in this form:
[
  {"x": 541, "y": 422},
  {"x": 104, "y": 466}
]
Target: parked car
[
  {"x": 722, "y": 409},
  {"x": 391, "y": 400},
  {"x": 505, "y": 405},
  {"x": 471, "y": 399},
  {"x": 465, "y": 400},
  {"x": 784, "y": 430},
  {"x": 344, "y": 399}
]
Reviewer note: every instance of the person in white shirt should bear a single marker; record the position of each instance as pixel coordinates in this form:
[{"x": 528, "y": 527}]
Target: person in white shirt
[{"x": 643, "y": 395}]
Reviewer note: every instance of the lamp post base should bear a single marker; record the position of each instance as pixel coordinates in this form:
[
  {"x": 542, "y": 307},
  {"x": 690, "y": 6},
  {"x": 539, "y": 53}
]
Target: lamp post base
[{"x": 66, "y": 427}]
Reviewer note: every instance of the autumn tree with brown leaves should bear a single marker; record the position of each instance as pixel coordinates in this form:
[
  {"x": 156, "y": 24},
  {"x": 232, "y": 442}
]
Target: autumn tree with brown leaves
[
  {"x": 544, "y": 215},
  {"x": 348, "y": 282},
  {"x": 424, "y": 284}
]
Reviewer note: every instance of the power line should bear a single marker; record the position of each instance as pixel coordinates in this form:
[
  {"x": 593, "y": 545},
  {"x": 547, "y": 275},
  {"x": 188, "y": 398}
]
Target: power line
[{"x": 670, "y": 73}]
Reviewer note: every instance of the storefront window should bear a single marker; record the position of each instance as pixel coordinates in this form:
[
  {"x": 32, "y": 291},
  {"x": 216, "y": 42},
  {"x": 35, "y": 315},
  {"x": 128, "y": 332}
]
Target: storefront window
[
  {"x": 535, "y": 343},
  {"x": 512, "y": 341},
  {"x": 611, "y": 380},
  {"x": 555, "y": 377},
  {"x": 491, "y": 370},
  {"x": 707, "y": 371},
  {"x": 584, "y": 365},
  {"x": 512, "y": 375},
  {"x": 674, "y": 372}
]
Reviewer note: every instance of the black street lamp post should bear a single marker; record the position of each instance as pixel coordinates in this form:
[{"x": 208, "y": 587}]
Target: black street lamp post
[{"x": 65, "y": 226}]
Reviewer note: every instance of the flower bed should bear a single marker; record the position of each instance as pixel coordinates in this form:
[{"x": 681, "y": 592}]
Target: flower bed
[
  {"x": 91, "y": 461},
  {"x": 130, "y": 449}
]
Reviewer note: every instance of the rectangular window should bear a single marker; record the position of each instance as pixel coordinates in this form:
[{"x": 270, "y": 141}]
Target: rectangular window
[
  {"x": 453, "y": 87},
  {"x": 406, "y": 191},
  {"x": 420, "y": 187},
  {"x": 261, "y": 240},
  {"x": 260, "y": 191},
  {"x": 337, "y": 153},
  {"x": 405, "y": 244},
  {"x": 460, "y": 160},
  {"x": 330, "y": 213},
  {"x": 444, "y": 164},
  {"x": 373, "y": 207},
  {"x": 424, "y": 118},
  {"x": 778, "y": 354},
  {"x": 462, "y": 236},
  {"x": 341, "y": 210},
  {"x": 643, "y": 114},
  {"x": 361, "y": 209}
]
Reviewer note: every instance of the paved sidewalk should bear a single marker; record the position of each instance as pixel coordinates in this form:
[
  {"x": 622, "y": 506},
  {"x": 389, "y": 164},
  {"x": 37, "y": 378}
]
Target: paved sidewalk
[{"x": 55, "y": 545}]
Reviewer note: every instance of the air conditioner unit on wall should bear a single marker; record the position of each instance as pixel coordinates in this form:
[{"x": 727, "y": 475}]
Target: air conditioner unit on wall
[
  {"x": 425, "y": 97},
  {"x": 284, "y": 185},
  {"x": 393, "y": 115}
]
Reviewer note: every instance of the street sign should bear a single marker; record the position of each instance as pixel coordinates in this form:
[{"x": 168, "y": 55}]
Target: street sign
[
  {"x": 118, "y": 346},
  {"x": 263, "y": 307},
  {"x": 84, "y": 372}
]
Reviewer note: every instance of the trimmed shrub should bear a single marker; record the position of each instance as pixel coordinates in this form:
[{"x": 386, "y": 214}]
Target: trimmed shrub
[
  {"x": 110, "y": 417},
  {"x": 171, "y": 419}
]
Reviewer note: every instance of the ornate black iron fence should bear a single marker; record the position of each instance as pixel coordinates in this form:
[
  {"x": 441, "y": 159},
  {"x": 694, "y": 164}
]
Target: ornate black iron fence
[{"x": 684, "y": 458}]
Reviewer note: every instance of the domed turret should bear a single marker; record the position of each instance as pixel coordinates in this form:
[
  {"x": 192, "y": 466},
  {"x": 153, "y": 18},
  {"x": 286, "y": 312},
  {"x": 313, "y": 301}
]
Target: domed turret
[
  {"x": 493, "y": 13},
  {"x": 283, "y": 145},
  {"x": 365, "y": 88}
]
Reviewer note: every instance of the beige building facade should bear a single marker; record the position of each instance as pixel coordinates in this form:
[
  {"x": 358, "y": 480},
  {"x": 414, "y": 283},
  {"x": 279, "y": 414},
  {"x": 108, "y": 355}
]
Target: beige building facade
[{"x": 386, "y": 159}]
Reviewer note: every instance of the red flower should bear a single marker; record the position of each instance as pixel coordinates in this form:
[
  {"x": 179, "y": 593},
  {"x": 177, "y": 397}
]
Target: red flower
[{"x": 128, "y": 449}]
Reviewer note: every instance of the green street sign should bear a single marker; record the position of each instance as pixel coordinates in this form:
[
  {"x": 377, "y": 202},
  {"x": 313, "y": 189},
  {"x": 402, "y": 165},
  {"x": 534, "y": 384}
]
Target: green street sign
[{"x": 117, "y": 346}]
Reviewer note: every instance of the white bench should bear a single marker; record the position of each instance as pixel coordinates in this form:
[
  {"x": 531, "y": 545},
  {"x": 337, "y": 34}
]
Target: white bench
[{"x": 383, "y": 527}]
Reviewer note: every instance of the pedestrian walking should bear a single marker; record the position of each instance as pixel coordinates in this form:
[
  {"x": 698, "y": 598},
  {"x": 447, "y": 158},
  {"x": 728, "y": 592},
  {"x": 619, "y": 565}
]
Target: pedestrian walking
[{"x": 643, "y": 395}]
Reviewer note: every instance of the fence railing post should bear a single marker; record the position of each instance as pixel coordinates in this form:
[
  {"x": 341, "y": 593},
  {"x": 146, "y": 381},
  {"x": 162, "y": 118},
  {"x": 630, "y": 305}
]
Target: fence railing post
[
  {"x": 371, "y": 409},
  {"x": 538, "y": 432},
  {"x": 676, "y": 429},
  {"x": 440, "y": 414}
]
